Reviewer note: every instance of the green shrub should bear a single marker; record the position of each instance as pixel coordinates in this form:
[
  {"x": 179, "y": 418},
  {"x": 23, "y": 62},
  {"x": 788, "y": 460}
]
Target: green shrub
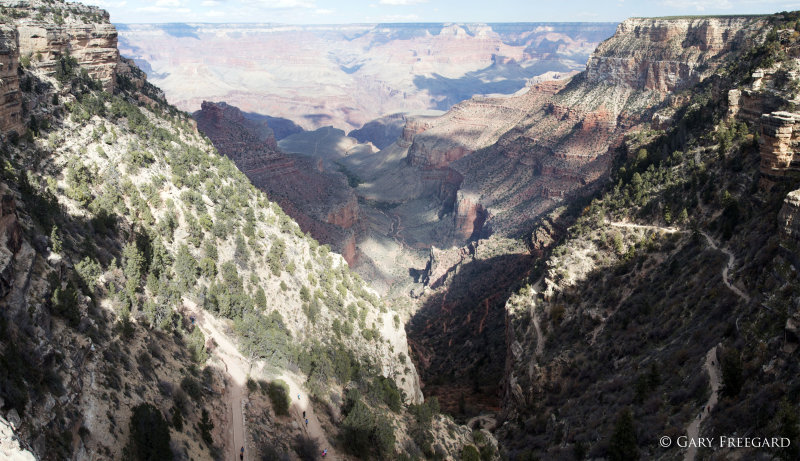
[
  {"x": 385, "y": 390},
  {"x": 149, "y": 434},
  {"x": 177, "y": 419},
  {"x": 732, "y": 376},
  {"x": 278, "y": 392},
  {"x": 65, "y": 304},
  {"x": 186, "y": 268},
  {"x": 470, "y": 453},
  {"x": 192, "y": 388},
  {"x": 196, "y": 343},
  {"x": 79, "y": 183},
  {"x": 206, "y": 426},
  {"x": 260, "y": 298},
  {"x": 622, "y": 446},
  {"x": 357, "y": 429}
]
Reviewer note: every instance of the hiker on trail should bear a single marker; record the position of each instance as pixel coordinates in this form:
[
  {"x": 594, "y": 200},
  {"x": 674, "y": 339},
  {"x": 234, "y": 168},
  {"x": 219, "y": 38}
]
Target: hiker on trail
[
  {"x": 192, "y": 319},
  {"x": 306, "y": 422},
  {"x": 304, "y": 414},
  {"x": 241, "y": 454},
  {"x": 298, "y": 396},
  {"x": 324, "y": 452}
]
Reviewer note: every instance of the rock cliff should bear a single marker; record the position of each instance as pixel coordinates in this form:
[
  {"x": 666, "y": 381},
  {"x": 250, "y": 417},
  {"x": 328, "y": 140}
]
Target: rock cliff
[
  {"x": 49, "y": 31},
  {"x": 666, "y": 55},
  {"x": 778, "y": 146},
  {"x": 521, "y": 155},
  {"x": 11, "y": 103},
  {"x": 319, "y": 200},
  {"x": 789, "y": 224}
]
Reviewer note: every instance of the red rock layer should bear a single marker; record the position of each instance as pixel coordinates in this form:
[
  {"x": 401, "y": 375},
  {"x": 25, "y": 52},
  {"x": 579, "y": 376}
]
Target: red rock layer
[{"x": 320, "y": 202}]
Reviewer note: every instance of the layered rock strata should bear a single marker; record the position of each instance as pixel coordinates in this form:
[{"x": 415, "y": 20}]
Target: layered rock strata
[
  {"x": 82, "y": 32},
  {"x": 778, "y": 145},
  {"x": 10, "y": 101},
  {"x": 665, "y": 55},
  {"x": 319, "y": 200}
]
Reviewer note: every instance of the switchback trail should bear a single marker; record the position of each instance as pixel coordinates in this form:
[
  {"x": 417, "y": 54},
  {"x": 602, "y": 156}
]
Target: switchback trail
[
  {"x": 726, "y": 270},
  {"x": 693, "y": 431},
  {"x": 237, "y": 368}
]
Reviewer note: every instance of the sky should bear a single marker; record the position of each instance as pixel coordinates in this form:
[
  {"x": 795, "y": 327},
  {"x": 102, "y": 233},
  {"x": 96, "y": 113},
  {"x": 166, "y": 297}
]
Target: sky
[{"x": 370, "y": 11}]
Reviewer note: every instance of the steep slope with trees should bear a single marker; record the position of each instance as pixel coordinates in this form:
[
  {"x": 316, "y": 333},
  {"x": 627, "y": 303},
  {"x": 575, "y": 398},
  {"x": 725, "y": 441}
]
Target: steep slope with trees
[
  {"x": 669, "y": 308},
  {"x": 118, "y": 219}
]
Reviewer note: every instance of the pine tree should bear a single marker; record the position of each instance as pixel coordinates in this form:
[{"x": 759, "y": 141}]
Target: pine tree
[{"x": 623, "y": 441}]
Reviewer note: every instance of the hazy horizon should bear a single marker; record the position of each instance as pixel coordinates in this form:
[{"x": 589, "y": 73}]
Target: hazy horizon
[{"x": 332, "y": 12}]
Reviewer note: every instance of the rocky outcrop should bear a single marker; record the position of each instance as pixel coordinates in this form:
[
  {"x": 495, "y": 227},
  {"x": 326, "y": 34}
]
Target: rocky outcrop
[
  {"x": 778, "y": 144},
  {"x": 789, "y": 224},
  {"x": 665, "y": 55},
  {"x": 469, "y": 217},
  {"x": 381, "y": 132},
  {"x": 57, "y": 30},
  {"x": 467, "y": 127},
  {"x": 413, "y": 127},
  {"x": 10, "y": 101},
  {"x": 10, "y": 447},
  {"x": 10, "y": 242}
]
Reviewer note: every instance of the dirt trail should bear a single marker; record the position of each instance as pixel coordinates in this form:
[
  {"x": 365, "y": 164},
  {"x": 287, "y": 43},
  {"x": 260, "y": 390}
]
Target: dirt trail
[
  {"x": 693, "y": 431},
  {"x": 726, "y": 270},
  {"x": 669, "y": 230},
  {"x": 314, "y": 429},
  {"x": 238, "y": 369}
]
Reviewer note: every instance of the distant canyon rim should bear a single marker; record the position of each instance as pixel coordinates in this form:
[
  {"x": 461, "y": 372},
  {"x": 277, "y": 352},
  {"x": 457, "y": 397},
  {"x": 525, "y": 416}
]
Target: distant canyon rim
[{"x": 347, "y": 75}]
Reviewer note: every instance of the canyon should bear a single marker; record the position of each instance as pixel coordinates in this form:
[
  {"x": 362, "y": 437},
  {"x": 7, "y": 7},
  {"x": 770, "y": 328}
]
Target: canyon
[
  {"x": 348, "y": 75},
  {"x": 571, "y": 270},
  {"x": 492, "y": 169}
]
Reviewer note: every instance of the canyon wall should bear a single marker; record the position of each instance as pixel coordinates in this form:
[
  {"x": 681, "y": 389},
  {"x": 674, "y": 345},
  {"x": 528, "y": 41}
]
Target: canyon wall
[
  {"x": 11, "y": 103},
  {"x": 778, "y": 144},
  {"x": 523, "y": 154},
  {"x": 319, "y": 200},
  {"x": 82, "y": 32},
  {"x": 789, "y": 222},
  {"x": 666, "y": 55}
]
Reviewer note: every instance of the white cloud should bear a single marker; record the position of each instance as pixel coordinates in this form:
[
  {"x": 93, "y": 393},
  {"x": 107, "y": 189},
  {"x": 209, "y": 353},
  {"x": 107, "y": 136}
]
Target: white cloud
[
  {"x": 324, "y": 11},
  {"x": 401, "y": 2}
]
